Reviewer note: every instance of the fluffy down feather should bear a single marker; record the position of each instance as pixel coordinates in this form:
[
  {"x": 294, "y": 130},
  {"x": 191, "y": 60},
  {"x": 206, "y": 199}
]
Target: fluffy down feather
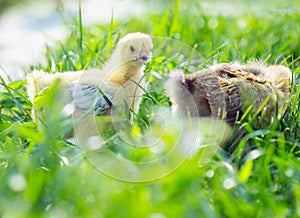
[
  {"x": 117, "y": 80},
  {"x": 228, "y": 90}
]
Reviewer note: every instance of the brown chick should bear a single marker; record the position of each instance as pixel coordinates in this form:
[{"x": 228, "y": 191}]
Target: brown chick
[{"x": 227, "y": 90}]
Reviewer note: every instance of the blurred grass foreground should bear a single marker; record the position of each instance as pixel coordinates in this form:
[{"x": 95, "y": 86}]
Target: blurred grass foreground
[{"x": 42, "y": 175}]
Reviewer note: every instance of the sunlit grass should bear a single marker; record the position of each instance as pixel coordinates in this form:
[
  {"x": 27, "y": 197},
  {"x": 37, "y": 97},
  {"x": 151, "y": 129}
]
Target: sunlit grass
[{"x": 43, "y": 176}]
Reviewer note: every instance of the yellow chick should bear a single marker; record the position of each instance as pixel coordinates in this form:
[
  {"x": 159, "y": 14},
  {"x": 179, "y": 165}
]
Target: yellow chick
[
  {"x": 119, "y": 80},
  {"x": 227, "y": 90}
]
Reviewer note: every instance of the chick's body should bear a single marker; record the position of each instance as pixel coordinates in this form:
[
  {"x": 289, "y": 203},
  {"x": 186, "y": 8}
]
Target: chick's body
[
  {"x": 119, "y": 79},
  {"x": 228, "y": 90}
]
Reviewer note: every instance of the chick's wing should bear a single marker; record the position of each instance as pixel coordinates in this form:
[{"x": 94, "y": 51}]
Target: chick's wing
[{"x": 90, "y": 98}]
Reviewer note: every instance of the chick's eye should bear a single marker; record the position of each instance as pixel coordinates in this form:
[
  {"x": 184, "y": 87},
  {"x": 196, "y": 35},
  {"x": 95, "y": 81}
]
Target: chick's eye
[{"x": 131, "y": 48}]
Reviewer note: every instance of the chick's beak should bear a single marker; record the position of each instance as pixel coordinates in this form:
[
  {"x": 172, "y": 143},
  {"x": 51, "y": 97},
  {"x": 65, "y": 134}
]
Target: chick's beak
[{"x": 143, "y": 56}]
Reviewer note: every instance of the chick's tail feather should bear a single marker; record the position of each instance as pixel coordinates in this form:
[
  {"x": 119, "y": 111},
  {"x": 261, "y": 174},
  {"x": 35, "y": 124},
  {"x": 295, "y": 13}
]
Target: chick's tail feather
[{"x": 37, "y": 81}]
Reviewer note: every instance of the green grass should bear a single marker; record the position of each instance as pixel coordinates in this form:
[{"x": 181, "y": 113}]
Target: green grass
[{"x": 43, "y": 176}]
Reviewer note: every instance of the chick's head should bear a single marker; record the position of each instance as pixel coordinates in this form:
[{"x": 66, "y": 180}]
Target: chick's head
[
  {"x": 136, "y": 48},
  {"x": 280, "y": 78}
]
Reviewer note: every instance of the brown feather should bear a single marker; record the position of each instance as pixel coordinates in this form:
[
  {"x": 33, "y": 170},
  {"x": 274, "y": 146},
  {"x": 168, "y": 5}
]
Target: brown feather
[{"x": 225, "y": 90}]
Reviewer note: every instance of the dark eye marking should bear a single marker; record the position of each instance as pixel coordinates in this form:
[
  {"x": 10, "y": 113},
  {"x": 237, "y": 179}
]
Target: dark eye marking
[{"x": 131, "y": 48}]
